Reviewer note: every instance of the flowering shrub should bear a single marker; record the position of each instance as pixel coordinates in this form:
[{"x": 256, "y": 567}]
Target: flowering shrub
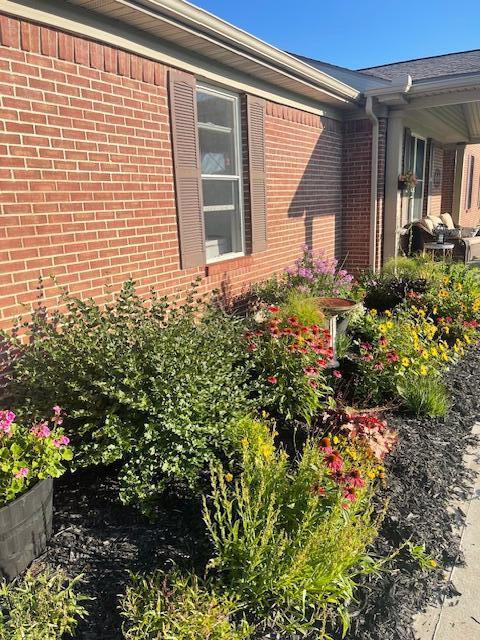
[
  {"x": 313, "y": 275},
  {"x": 289, "y": 361},
  {"x": 148, "y": 382},
  {"x": 28, "y": 454},
  {"x": 396, "y": 350},
  {"x": 290, "y": 538},
  {"x": 319, "y": 275}
]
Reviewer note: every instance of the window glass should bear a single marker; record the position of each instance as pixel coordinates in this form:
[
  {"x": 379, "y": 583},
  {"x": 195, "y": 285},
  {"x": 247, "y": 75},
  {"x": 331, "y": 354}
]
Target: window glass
[{"x": 219, "y": 143}]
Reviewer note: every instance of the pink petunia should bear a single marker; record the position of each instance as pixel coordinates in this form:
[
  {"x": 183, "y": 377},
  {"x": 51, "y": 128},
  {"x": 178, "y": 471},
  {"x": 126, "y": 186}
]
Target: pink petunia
[{"x": 22, "y": 473}]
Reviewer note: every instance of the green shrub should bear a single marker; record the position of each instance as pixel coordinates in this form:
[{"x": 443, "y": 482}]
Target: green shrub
[
  {"x": 290, "y": 539},
  {"x": 304, "y": 307},
  {"x": 42, "y": 607},
  {"x": 425, "y": 397},
  {"x": 172, "y": 606},
  {"x": 147, "y": 382}
]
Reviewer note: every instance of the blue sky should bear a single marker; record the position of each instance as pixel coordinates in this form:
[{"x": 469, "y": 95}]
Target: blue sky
[{"x": 357, "y": 33}]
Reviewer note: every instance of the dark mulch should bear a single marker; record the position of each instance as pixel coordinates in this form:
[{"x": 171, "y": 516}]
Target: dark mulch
[
  {"x": 96, "y": 536},
  {"x": 424, "y": 475}
]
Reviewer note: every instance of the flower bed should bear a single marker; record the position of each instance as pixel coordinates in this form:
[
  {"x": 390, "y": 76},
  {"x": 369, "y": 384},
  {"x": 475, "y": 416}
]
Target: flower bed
[{"x": 246, "y": 416}]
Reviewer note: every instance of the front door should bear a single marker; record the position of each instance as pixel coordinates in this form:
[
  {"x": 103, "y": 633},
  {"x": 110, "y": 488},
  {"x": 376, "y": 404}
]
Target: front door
[{"x": 416, "y": 163}]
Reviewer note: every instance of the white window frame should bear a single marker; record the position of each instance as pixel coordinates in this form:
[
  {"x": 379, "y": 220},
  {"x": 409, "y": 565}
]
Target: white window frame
[
  {"x": 414, "y": 136},
  {"x": 238, "y": 176}
]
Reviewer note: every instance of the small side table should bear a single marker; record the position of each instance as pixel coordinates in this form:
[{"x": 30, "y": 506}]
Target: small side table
[{"x": 445, "y": 248}]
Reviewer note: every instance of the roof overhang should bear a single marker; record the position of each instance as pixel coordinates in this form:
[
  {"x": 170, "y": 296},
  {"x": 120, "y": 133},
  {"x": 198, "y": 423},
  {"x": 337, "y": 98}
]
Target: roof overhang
[
  {"x": 446, "y": 109},
  {"x": 201, "y": 34}
]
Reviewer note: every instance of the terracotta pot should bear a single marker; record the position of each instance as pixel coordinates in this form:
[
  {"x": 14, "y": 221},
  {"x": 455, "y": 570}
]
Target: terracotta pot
[{"x": 25, "y": 528}]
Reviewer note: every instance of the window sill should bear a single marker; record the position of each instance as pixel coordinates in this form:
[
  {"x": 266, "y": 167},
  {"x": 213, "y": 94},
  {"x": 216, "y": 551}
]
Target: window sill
[{"x": 229, "y": 264}]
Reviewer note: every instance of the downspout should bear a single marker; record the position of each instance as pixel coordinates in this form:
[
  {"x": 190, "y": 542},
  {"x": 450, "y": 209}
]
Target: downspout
[{"x": 373, "y": 183}]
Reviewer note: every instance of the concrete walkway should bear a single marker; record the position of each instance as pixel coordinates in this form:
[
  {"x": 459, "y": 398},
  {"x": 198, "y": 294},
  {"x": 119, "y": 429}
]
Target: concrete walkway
[{"x": 459, "y": 618}]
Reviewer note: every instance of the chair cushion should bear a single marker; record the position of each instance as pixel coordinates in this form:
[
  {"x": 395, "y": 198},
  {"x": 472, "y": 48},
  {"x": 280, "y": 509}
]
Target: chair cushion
[
  {"x": 435, "y": 219},
  {"x": 427, "y": 224},
  {"x": 447, "y": 219}
]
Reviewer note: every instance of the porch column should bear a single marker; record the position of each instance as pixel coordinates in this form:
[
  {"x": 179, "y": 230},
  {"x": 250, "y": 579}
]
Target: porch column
[
  {"x": 393, "y": 168},
  {"x": 458, "y": 182}
]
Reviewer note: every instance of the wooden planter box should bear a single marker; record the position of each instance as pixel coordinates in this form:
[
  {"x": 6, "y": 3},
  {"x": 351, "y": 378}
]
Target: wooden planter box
[{"x": 25, "y": 528}]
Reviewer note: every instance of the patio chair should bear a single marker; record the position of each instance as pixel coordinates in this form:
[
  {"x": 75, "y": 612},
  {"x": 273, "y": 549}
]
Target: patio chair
[{"x": 465, "y": 240}]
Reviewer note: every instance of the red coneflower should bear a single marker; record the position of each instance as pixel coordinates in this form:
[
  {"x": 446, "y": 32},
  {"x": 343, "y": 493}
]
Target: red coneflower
[
  {"x": 272, "y": 380},
  {"x": 355, "y": 478},
  {"x": 336, "y": 374},
  {"x": 310, "y": 371},
  {"x": 350, "y": 494},
  {"x": 334, "y": 461},
  {"x": 273, "y": 308}
]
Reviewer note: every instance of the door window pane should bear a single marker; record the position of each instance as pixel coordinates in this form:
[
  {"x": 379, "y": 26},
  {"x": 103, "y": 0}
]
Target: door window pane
[{"x": 219, "y": 136}]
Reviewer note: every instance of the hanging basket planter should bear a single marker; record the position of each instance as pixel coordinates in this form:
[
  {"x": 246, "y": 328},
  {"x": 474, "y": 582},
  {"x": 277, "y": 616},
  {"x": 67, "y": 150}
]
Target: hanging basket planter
[
  {"x": 25, "y": 528},
  {"x": 407, "y": 183}
]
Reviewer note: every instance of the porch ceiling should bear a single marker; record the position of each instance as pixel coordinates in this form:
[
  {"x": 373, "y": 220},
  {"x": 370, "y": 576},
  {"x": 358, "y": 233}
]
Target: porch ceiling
[{"x": 446, "y": 110}]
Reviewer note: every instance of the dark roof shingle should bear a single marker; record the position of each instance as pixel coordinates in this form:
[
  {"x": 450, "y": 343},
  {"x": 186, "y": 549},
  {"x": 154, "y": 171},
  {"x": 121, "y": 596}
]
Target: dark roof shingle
[{"x": 436, "y": 66}]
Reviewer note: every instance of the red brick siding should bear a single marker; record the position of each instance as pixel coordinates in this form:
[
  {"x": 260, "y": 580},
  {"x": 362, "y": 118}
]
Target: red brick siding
[
  {"x": 87, "y": 191},
  {"x": 356, "y": 191},
  {"x": 471, "y": 217}
]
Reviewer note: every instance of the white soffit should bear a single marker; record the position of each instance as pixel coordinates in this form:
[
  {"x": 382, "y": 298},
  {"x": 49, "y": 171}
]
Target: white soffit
[{"x": 191, "y": 28}]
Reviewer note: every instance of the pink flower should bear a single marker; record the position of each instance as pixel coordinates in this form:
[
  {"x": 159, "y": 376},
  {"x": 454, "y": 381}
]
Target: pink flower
[
  {"x": 334, "y": 461},
  {"x": 310, "y": 371},
  {"x": 41, "y": 430},
  {"x": 378, "y": 366},
  {"x": 57, "y": 410},
  {"x": 22, "y": 472},
  {"x": 350, "y": 494},
  {"x": 62, "y": 441},
  {"x": 272, "y": 380},
  {"x": 336, "y": 374},
  {"x": 6, "y": 420},
  {"x": 354, "y": 478}
]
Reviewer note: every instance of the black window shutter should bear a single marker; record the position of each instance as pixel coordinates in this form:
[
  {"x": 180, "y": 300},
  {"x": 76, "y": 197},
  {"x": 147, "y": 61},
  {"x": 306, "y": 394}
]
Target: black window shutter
[{"x": 186, "y": 160}]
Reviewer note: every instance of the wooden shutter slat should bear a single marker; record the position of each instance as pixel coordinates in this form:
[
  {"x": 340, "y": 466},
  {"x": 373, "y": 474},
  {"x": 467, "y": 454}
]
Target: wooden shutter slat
[
  {"x": 256, "y": 165},
  {"x": 186, "y": 160}
]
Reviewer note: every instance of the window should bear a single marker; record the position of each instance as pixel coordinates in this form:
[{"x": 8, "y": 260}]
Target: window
[
  {"x": 469, "y": 191},
  {"x": 219, "y": 139},
  {"x": 415, "y": 162}
]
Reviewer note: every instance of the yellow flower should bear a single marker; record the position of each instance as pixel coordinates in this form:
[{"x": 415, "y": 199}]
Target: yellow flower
[
  {"x": 425, "y": 355},
  {"x": 390, "y": 324},
  {"x": 433, "y": 563},
  {"x": 228, "y": 477},
  {"x": 423, "y": 370},
  {"x": 421, "y": 312},
  {"x": 266, "y": 450},
  {"x": 445, "y": 358},
  {"x": 373, "y": 312},
  {"x": 388, "y": 313},
  {"x": 244, "y": 442},
  {"x": 435, "y": 310},
  {"x": 446, "y": 280},
  {"x": 467, "y": 339},
  {"x": 336, "y": 439},
  {"x": 446, "y": 330},
  {"x": 443, "y": 293},
  {"x": 459, "y": 286},
  {"x": 405, "y": 362},
  {"x": 372, "y": 474},
  {"x": 382, "y": 328}
]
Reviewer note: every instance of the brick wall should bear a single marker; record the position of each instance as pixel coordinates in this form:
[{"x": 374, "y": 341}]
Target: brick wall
[
  {"x": 86, "y": 184},
  {"x": 356, "y": 192},
  {"x": 471, "y": 217}
]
